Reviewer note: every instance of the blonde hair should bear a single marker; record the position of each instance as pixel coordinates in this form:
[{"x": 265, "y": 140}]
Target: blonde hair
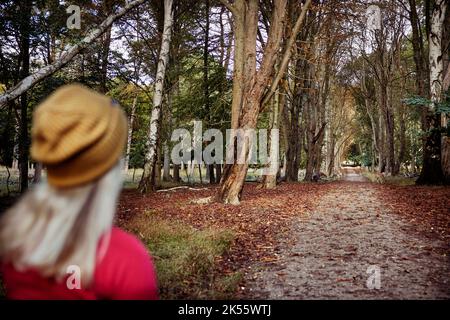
[{"x": 52, "y": 228}]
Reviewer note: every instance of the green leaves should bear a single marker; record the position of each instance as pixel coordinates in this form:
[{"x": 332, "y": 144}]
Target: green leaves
[{"x": 418, "y": 101}]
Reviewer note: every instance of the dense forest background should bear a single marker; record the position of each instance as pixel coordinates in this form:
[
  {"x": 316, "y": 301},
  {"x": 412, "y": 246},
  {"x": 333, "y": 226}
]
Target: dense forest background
[{"x": 336, "y": 86}]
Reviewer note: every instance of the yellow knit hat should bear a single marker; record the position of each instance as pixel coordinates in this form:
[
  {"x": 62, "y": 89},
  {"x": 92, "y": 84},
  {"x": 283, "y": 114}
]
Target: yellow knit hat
[{"x": 78, "y": 134}]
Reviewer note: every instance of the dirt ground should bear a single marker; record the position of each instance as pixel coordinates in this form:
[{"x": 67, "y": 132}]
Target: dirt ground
[{"x": 335, "y": 249}]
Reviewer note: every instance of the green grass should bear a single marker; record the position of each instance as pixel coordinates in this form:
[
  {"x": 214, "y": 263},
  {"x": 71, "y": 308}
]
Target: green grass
[
  {"x": 401, "y": 181},
  {"x": 186, "y": 259},
  {"x": 372, "y": 176},
  {"x": 396, "y": 180}
]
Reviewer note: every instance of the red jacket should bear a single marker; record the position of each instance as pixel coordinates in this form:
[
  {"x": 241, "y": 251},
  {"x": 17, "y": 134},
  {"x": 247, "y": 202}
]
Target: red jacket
[{"x": 125, "y": 272}]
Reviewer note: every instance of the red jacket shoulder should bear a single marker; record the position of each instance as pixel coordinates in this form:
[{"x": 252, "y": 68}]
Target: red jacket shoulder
[{"x": 126, "y": 271}]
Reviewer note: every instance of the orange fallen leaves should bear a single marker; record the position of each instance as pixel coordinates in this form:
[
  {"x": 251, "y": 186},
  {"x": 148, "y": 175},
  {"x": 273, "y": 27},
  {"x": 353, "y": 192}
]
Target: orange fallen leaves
[
  {"x": 262, "y": 217},
  {"x": 425, "y": 207}
]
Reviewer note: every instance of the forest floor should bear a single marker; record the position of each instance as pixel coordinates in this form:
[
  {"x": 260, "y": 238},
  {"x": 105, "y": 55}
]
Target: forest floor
[
  {"x": 249, "y": 231},
  {"x": 298, "y": 241},
  {"x": 301, "y": 240}
]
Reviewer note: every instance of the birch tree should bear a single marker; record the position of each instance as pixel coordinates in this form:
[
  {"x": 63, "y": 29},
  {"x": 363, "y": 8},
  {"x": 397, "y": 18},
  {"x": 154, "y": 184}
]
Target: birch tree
[
  {"x": 445, "y": 89},
  {"x": 432, "y": 167},
  {"x": 148, "y": 181},
  {"x": 435, "y": 55},
  {"x": 436, "y": 59}
]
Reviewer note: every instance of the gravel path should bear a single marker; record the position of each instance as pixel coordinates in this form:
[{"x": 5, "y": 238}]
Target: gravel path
[{"x": 343, "y": 243}]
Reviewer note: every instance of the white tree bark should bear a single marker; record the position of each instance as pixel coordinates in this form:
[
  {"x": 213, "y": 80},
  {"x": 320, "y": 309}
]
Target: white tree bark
[
  {"x": 437, "y": 82},
  {"x": 435, "y": 55},
  {"x": 154, "y": 128},
  {"x": 66, "y": 57}
]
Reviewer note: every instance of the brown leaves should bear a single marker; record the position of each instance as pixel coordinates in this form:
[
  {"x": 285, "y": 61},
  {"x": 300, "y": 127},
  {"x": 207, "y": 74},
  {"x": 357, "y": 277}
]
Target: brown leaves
[
  {"x": 266, "y": 216},
  {"x": 262, "y": 217},
  {"x": 425, "y": 207}
]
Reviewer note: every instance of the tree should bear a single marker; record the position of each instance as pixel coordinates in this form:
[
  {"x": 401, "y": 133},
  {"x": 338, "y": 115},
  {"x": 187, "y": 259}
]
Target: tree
[
  {"x": 24, "y": 43},
  {"x": 148, "y": 181},
  {"x": 294, "y": 85},
  {"x": 432, "y": 166},
  {"x": 445, "y": 88},
  {"x": 249, "y": 84},
  {"x": 29, "y": 81},
  {"x": 206, "y": 94}
]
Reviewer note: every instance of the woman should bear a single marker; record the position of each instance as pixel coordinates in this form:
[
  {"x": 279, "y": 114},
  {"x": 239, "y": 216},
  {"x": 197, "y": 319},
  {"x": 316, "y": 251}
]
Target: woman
[{"x": 58, "y": 242}]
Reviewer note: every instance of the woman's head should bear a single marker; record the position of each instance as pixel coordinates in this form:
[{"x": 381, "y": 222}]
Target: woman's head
[{"x": 79, "y": 135}]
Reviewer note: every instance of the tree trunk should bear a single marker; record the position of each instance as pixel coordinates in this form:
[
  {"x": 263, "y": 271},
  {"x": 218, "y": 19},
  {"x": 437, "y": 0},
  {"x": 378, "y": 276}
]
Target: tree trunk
[
  {"x": 218, "y": 172},
  {"x": 291, "y": 118},
  {"x": 269, "y": 181},
  {"x": 323, "y": 106},
  {"x": 211, "y": 175},
  {"x": 315, "y": 105},
  {"x": 130, "y": 134},
  {"x": 331, "y": 155},
  {"x": 176, "y": 172},
  {"x": 200, "y": 172},
  {"x": 445, "y": 161},
  {"x": 402, "y": 134},
  {"x": 158, "y": 172},
  {"x": 148, "y": 181},
  {"x": 431, "y": 172},
  {"x": 247, "y": 95},
  {"x": 315, "y": 130},
  {"x": 209, "y": 167},
  {"x": 382, "y": 144},
  {"x": 389, "y": 120},
  {"x": 25, "y": 29},
  {"x": 386, "y": 109},
  {"x": 166, "y": 166},
  {"x": 104, "y": 62},
  {"x": 432, "y": 166},
  {"x": 422, "y": 73},
  {"x": 37, "y": 172}
]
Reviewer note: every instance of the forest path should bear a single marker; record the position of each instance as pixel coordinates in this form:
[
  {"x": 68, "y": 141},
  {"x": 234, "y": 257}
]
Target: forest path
[
  {"x": 334, "y": 247},
  {"x": 353, "y": 174}
]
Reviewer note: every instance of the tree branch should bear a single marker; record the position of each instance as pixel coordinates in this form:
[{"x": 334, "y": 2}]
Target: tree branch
[
  {"x": 229, "y": 6},
  {"x": 287, "y": 53},
  {"x": 66, "y": 57}
]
